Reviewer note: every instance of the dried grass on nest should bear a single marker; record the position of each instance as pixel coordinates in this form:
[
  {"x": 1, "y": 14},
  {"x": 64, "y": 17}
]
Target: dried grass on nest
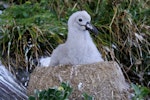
[{"x": 102, "y": 80}]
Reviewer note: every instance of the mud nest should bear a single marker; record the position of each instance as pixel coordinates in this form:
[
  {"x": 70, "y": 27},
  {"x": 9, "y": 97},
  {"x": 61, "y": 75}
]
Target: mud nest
[{"x": 103, "y": 80}]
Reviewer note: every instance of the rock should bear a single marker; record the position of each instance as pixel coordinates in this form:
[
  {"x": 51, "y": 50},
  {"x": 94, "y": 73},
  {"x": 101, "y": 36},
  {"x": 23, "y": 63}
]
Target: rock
[{"x": 10, "y": 87}]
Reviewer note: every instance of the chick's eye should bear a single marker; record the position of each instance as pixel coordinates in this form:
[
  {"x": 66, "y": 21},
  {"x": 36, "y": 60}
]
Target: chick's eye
[{"x": 80, "y": 20}]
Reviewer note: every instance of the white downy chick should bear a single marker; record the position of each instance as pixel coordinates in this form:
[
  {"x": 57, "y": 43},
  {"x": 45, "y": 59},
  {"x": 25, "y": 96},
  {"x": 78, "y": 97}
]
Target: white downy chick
[{"x": 79, "y": 47}]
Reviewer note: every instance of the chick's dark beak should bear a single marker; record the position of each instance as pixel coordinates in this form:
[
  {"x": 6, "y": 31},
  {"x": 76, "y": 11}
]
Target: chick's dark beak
[{"x": 91, "y": 28}]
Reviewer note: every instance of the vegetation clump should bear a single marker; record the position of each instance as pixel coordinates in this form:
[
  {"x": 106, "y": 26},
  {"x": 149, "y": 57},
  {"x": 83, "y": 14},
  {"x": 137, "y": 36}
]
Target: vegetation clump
[{"x": 62, "y": 92}]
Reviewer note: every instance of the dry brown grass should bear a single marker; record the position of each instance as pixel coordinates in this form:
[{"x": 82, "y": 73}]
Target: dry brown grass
[{"x": 102, "y": 80}]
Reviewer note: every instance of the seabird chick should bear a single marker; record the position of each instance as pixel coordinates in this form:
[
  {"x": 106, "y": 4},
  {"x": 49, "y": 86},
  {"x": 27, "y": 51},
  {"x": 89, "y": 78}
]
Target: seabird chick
[{"x": 79, "y": 47}]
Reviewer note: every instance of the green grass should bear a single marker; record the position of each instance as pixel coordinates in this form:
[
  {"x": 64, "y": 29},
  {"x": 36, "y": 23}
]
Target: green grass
[{"x": 124, "y": 31}]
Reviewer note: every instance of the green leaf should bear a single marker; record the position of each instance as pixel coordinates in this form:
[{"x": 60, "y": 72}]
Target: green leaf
[
  {"x": 87, "y": 97},
  {"x": 32, "y": 98},
  {"x": 136, "y": 89}
]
